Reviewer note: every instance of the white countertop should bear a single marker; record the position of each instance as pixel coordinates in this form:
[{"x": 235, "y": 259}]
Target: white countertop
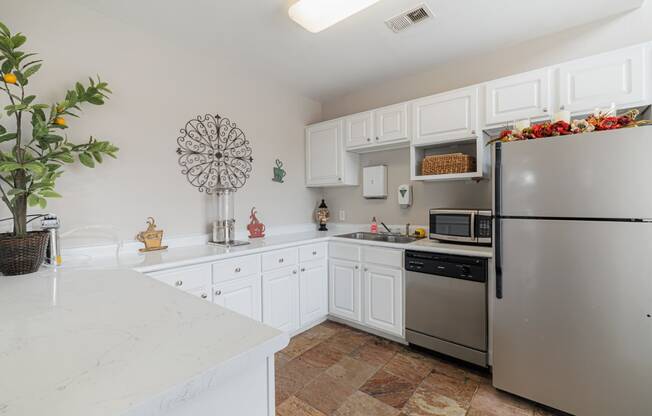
[
  {"x": 103, "y": 342},
  {"x": 193, "y": 254}
]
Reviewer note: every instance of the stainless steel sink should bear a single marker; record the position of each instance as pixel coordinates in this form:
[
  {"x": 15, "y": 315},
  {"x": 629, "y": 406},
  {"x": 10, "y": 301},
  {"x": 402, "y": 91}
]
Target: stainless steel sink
[{"x": 387, "y": 238}]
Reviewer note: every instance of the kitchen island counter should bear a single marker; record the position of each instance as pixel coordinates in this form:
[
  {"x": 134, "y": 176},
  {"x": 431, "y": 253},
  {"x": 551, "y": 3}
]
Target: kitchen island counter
[{"x": 116, "y": 342}]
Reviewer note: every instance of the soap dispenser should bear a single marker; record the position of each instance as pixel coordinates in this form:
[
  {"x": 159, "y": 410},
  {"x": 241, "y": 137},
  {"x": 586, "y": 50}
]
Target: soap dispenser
[{"x": 374, "y": 226}]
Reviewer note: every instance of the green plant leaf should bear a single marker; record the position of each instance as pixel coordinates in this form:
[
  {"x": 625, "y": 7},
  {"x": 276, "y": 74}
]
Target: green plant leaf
[
  {"x": 65, "y": 158},
  {"x": 28, "y": 100},
  {"x": 32, "y": 200},
  {"x": 2, "y": 130},
  {"x": 31, "y": 70},
  {"x": 9, "y": 166},
  {"x": 38, "y": 168},
  {"x": 49, "y": 194},
  {"x": 7, "y": 66},
  {"x": 7, "y": 137},
  {"x": 18, "y": 40},
  {"x": 86, "y": 160},
  {"x": 4, "y": 29}
]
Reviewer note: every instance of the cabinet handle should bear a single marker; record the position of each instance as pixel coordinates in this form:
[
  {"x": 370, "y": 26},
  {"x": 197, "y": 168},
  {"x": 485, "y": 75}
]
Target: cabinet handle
[
  {"x": 314, "y": 253},
  {"x": 357, "y": 267},
  {"x": 545, "y": 109},
  {"x": 218, "y": 292},
  {"x": 472, "y": 131},
  {"x": 294, "y": 272},
  {"x": 366, "y": 270},
  {"x": 562, "y": 107},
  {"x": 281, "y": 260},
  {"x": 368, "y": 139},
  {"x": 339, "y": 179},
  {"x": 178, "y": 283},
  {"x": 303, "y": 269},
  {"x": 377, "y": 139},
  {"x": 237, "y": 270},
  {"x": 204, "y": 296}
]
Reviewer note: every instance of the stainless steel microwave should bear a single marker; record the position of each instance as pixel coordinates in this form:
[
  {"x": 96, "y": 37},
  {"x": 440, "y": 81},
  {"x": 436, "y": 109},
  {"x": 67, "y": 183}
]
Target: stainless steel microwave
[{"x": 471, "y": 226}]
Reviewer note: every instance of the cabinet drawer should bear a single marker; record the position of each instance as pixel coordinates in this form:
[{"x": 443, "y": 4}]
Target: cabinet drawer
[
  {"x": 382, "y": 256},
  {"x": 234, "y": 268},
  {"x": 280, "y": 258},
  {"x": 186, "y": 278},
  {"x": 312, "y": 252},
  {"x": 344, "y": 251},
  {"x": 204, "y": 293}
]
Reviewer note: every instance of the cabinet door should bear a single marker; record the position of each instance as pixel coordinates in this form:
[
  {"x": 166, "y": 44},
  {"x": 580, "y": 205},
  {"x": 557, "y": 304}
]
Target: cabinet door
[
  {"x": 391, "y": 123},
  {"x": 447, "y": 116},
  {"x": 324, "y": 153},
  {"x": 617, "y": 77},
  {"x": 359, "y": 129},
  {"x": 518, "y": 97},
  {"x": 242, "y": 295},
  {"x": 313, "y": 291},
  {"x": 345, "y": 298},
  {"x": 383, "y": 299},
  {"x": 281, "y": 299}
]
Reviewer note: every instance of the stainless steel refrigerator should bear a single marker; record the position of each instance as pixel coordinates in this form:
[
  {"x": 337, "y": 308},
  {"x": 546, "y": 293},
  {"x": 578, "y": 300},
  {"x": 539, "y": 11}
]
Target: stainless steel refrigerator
[{"x": 572, "y": 324}]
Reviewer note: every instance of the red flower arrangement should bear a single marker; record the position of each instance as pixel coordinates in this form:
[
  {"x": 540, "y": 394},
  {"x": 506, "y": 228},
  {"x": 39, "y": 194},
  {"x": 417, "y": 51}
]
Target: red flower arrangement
[{"x": 595, "y": 122}]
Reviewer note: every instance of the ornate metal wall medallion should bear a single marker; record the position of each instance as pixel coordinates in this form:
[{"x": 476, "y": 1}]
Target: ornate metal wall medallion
[{"x": 214, "y": 153}]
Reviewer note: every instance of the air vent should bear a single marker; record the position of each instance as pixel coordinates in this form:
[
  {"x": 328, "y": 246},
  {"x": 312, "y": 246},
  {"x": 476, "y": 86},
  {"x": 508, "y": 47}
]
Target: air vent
[{"x": 409, "y": 18}]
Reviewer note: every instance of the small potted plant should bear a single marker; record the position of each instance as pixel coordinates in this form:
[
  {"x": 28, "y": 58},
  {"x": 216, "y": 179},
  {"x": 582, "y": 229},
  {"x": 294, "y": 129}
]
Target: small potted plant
[{"x": 33, "y": 149}]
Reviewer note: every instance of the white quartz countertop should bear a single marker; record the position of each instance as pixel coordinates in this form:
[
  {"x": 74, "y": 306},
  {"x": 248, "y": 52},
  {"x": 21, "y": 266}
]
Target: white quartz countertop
[
  {"x": 193, "y": 254},
  {"x": 102, "y": 342}
]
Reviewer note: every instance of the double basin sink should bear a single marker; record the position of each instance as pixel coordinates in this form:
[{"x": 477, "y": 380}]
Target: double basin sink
[{"x": 386, "y": 238}]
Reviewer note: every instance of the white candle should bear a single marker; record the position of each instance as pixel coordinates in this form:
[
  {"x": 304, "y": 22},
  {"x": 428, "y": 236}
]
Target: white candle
[
  {"x": 520, "y": 125},
  {"x": 562, "y": 115}
]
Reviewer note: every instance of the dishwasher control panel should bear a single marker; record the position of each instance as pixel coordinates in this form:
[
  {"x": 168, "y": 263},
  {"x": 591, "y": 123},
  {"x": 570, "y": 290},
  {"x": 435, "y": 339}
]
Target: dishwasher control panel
[{"x": 457, "y": 267}]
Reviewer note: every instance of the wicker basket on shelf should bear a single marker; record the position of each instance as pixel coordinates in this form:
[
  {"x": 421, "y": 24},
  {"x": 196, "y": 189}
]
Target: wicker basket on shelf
[{"x": 446, "y": 164}]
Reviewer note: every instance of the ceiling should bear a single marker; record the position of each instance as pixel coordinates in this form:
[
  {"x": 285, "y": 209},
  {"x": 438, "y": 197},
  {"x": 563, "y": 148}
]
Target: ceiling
[{"x": 359, "y": 51}]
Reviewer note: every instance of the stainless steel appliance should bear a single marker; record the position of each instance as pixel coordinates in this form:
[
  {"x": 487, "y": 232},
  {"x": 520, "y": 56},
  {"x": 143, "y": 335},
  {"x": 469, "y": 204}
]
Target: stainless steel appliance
[
  {"x": 472, "y": 226},
  {"x": 573, "y": 254},
  {"x": 446, "y": 304}
]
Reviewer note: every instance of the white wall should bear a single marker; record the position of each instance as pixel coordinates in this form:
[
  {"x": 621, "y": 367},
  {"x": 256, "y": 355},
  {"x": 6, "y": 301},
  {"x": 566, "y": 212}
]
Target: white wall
[
  {"x": 158, "y": 87},
  {"x": 623, "y": 30}
]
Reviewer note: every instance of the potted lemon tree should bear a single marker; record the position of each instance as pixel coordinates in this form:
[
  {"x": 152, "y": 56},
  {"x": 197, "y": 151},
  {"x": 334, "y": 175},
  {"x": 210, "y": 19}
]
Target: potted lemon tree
[{"x": 34, "y": 149}]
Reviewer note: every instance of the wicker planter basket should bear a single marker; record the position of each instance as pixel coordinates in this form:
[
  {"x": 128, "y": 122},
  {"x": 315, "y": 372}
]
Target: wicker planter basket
[
  {"x": 22, "y": 255},
  {"x": 446, "y": 164}
]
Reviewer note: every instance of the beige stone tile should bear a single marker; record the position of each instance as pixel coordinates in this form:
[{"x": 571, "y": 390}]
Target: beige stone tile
[
  {"x": 325, "y": 393},
  {"x": 409, "y": 367},
  {"x": 292, "y": 377},
  {"x": 296, "y": 407},
  {"x": 360, "y": 404},
  {"x": 298, "y": 345},
  {"x": 351, "y": 371},
  {"x": 322, "y": 356},
  {"x": 280, "y": 360},
  {"x": 320, "y": 333},
  {"x": 461, "y": 391},
  {"x": 376, "y": 352},
  {"x": 348, "y": 340},
  {"x": 389, "y": 388},
  {"x": 488, "y": 401},
  {"x": 333, "y": 325},
  {"x": 425, "y": 403}
]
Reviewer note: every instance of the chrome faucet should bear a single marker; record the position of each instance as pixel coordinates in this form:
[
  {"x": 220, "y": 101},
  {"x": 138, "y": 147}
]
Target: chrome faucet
[
  {"x": 407, "y": 229},
  {"x": 386, "y": 227}
]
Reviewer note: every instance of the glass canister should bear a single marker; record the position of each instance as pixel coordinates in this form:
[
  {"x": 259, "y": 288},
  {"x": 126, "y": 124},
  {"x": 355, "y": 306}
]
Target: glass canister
[{"x": 224, "y": 227}]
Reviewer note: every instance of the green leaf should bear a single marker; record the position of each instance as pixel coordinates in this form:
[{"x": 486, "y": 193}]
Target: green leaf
[
  {"x": 65, "y": 157},
  {"x": 18, "y": 40},
  {"x": 31, "y": 70},
  {"x": 95, "y": 100},
  {"x": 7, "y": 66},
  {"x": 49, "y": 194},
  {"x": 97, "y": 156},
  {"x": 79, "y": 88},
  {"x": 86, "y": 160},
  {"x": 42, "y": 202},
  {"x": 7, "y": 137},
  {"x": 28, "y": 100},
  {"x": 9, "y": 166},
  {"x": 38, "y": 168},
  {"x": 4, "y": 29},
  {"x": 2, "y": 130},
  {"x": 33, "y": 200}
]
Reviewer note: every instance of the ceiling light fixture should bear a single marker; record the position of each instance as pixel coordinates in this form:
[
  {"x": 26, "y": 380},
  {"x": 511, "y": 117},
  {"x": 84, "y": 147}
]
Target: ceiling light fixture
[{"x": 317, "y": 15}]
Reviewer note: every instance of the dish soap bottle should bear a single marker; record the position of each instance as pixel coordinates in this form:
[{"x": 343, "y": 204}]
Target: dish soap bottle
[{"x": 374, "y": 226}]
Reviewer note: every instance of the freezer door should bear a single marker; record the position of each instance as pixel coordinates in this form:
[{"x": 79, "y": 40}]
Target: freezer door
[
  {"x": 574, "y": 329},
  {"x": 598, "y": 175}
]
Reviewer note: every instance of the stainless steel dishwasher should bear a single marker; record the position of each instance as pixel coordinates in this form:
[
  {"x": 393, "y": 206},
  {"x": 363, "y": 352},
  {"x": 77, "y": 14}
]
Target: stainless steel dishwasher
[{"x": 446, "y": 304}]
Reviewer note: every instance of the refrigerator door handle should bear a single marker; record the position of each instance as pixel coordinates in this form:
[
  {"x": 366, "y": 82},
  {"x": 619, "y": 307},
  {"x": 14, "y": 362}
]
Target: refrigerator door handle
[{"x": 497, "y": 220}]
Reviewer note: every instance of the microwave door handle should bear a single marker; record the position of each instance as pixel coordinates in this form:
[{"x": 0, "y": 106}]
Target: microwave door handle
[{"x": 472, "y": 226}]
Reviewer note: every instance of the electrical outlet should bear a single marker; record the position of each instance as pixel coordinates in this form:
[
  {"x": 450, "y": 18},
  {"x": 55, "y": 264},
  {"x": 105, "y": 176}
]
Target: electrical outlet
[{"x": 342, "y": 215}]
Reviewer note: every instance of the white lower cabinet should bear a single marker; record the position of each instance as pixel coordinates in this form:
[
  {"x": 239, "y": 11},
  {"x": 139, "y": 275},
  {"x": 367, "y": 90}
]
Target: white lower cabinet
[
  {"x": 313, "y": 291},
  {"x": 345, "y": 300},
  {"x": 281, "y": 299},
  {"x": 242, "y": 295},
  {"x": 383, "y": 298}
]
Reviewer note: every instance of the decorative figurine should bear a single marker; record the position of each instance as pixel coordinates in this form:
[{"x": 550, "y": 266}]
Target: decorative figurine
[
  {"x": 256, "y": 228},
  {"x": 279, "y": 172},
  {"x": 152, "y": 237},
  {"x": 322, "y": 215}
]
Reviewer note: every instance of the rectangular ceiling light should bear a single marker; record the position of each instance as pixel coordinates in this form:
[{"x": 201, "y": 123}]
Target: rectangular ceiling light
[{"x": 317, "y": 15}]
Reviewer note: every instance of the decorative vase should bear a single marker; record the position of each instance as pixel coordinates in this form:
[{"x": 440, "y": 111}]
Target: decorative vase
[
  {"x": 22, "y": 255},
  {"x": 322, "y": 215}
]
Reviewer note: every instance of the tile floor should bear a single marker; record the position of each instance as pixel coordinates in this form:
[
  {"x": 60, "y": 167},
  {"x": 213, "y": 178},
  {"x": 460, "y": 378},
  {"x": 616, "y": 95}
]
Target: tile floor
[{"x": 336, "y": 370}]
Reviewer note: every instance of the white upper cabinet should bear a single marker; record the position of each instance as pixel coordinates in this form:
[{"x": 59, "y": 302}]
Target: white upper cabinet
[
  {"x": 391, "y": 123},
  {"x": 445, "y": 117},
  {"x": 359, "y": 129},
  {"x": 327, "y": 162},
  {"x": 518, "y": 97},
  {"x": 618, "y": 77}
]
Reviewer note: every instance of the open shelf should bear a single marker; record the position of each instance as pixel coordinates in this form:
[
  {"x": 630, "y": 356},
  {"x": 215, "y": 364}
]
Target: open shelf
[{"x": 474, "y": 146}]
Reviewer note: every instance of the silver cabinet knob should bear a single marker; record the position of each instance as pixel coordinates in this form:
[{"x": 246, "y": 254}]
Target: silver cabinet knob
[
  {"x": 294, "y": 272},
  {"x": 178, "y": 283},
  {"x": 238, "y": 270},
  {"x": 472, "y": 131},
  {"x": 368, "y": 139},
  {"x": 303, "y": 269},
  {"x": 281, "y": 260},
  {"x": 377, "y": 138},
  {"x": 204, "y": 296},
  {"x": 366, "y": 270},
  {"x": 562, "y": 107},
  {"x": 545, "y": 109},
  {"x": 357, "y": 267},
  {"x": 218, "y": 292},
  {"x": 339, "y": 179},
  {"x": 314, "y": 253}
]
